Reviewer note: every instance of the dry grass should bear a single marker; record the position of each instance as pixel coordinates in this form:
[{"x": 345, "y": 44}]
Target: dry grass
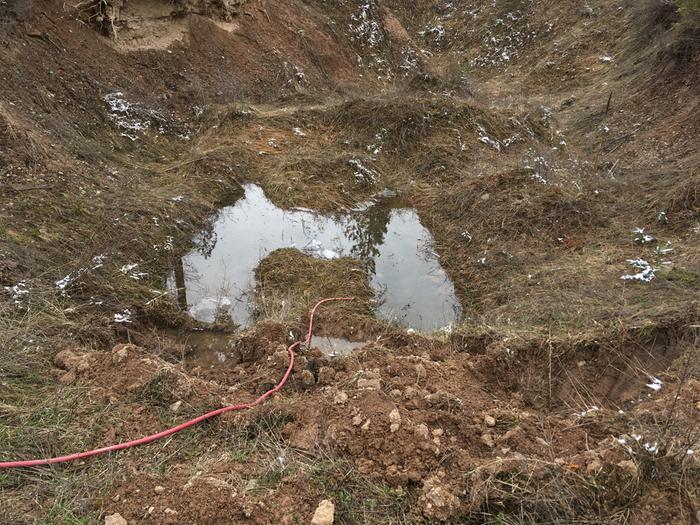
[{"x": 290, "y": 282}]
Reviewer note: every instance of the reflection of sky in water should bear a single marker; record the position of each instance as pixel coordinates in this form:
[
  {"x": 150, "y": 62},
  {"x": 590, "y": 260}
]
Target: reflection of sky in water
[{"x": 411, "y": 284}]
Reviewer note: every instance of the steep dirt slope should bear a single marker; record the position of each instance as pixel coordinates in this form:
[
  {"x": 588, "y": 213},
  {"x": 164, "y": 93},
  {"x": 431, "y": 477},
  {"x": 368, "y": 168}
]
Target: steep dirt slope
[{"x": 550, "y": 148}]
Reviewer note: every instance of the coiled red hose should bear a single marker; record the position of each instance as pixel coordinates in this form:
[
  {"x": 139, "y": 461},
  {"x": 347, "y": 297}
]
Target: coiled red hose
[{"x": 187, "y": 424}]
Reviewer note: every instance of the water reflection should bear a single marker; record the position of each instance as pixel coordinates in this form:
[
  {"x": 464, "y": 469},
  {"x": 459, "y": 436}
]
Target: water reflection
[{"x": 219, "y": 274}]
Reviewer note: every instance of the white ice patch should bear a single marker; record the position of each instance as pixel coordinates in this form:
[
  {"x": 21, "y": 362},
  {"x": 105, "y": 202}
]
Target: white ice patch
[
  {"x": 588, "y": 411},
  {"x": 363, "y": 26},
  {"x": 123, "y": 317},
  {"x": 503, "y": 41},
  {"x": 177, "y": 198},
  {"x": 329, "y": 254},
  {"x": 122, "y": 114},
  {"x": 484, "y": 138},
  {"x": 642, "y": 237},
  {"x": 131, "y": 271},
  {"x": 298, "y": 132},
  {"x": 655, "y": 383},
  {"x": 606, "y": 59},
  {"x": 652, "y": 448},
  {"x": 363, "y": 174},
  {"x": 133, "y": 119},
  {"x": 410, "y": 61},
  {"x": 376, "y": 147},
  {"x": 168, "y": 245},
  {"x": 646, "y": 273},
  {"x": 538, "y": 165},
  {"x": 664, "y": 250},
  {"x": 18, "y": 292},
  {"x": 97, "y": 262},
  {"x": 61, "y": 284},
  {"x": 437, "y": 33}
]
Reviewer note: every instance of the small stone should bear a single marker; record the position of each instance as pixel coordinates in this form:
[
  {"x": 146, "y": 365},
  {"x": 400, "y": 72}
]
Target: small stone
[
  {"x": 420, "y": 371},
  {"x": 369, "y": 384},
  {"x": 442, "y": 399},
  {"x": 151, "y": 509},
  {"x": 438, "y": 501},
  {"x": 422, "y": 431},
  {"x": 489, "y": 421},
  {"x": 487, "y": 439},
  {"x": 324, "y": 514},
  {"x": 697, "y": 405},
  {"x": 542, "y": 441},
  {"x": 66, "y": 359},
  {"x": 365, "y": 427},
  {"x": 307, "y": 378},
  {"x": 340, "y": 398},
  {"x": 170, "y": 511},
  {"x": 395, "y": 416},
  {"x": 326, "y": 375},
  {"x": 438, "y": 432},
  {"x": 357, "y": 420},
  {"x": 175, "y": 407},
  {"x": 115, "y": 519},
  {"x": 159, "y": 489},
  {"x": 630, "y": 467},
  {"x": 581, "y": 364},
  {"x": 396, "y": 393}
]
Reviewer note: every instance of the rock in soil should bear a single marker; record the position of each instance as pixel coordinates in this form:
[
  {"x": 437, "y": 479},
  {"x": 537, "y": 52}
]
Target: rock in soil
[
  {"x": 115, "y": 519},
  {"x": 325, "y": 513}
]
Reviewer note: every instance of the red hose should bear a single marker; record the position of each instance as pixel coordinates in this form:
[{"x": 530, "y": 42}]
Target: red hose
[{"x": 187, "y": 424}]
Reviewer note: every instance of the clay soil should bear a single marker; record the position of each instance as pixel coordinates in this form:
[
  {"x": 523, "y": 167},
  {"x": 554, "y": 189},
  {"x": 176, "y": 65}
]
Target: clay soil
[{"x": 551, "y": 148}]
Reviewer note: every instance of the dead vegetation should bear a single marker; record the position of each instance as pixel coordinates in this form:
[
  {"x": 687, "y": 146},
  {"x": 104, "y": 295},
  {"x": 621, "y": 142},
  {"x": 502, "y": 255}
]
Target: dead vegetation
[{"x": 289, "y": 282}]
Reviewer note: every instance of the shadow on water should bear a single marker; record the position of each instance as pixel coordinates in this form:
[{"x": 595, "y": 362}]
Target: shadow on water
[{"x": 412, "y": 287}]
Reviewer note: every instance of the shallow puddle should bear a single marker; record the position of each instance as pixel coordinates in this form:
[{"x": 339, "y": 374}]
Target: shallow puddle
[
  {"x": 412, "y": 288},
  {"x": 335, "y": 346},
  {"x": 206, "y": 349}
]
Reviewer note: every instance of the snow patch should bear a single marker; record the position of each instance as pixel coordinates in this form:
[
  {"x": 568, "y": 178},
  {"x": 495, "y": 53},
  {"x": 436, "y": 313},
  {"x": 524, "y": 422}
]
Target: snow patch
[
  {"x": 646, "y": 273},
  {"x": 655, "y": 383},
  {"x": 363, "y": 174}
]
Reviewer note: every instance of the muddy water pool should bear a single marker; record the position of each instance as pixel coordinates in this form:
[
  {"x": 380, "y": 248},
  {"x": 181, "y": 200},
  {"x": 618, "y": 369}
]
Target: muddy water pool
[{"x": 411, "y": 287}]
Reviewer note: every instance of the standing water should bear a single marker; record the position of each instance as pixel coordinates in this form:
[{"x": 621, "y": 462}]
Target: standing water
[{"x": 412, "y": 288}]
